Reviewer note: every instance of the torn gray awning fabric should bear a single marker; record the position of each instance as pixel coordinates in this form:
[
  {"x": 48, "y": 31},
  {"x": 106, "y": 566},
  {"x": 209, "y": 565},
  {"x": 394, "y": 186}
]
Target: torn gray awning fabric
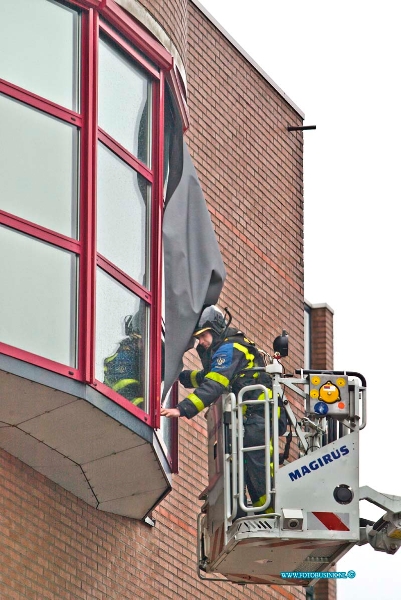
[{"x": 193, "y": 267}]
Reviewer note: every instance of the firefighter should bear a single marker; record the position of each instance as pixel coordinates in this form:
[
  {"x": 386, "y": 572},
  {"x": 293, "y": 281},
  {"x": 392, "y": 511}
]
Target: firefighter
[
  {"x": 123, "y": 369},
  {"x": 225, "y": 352}
]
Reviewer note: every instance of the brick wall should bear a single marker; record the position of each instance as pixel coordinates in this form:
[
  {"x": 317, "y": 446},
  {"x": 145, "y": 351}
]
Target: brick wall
[
  {"x": 250, "y": 168},
  {"x": 322, "y": 337},
  {"x": 325, "y": 590}
]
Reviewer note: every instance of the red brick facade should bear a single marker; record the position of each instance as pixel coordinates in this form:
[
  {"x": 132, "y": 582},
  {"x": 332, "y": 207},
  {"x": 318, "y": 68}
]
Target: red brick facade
[
  {"x": 322, "y": 336},
  {"x": 54, "y": 546}
]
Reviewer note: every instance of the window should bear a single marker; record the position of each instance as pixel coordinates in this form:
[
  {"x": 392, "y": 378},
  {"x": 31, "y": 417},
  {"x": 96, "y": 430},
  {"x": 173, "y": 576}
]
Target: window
[
  {"x": 125, "y": 100},
  {"x": 40, "y": 49},
  {"x": 123, "y": 215},
  {"x": 82, "y": 170},
  {"x": 39, "y": 168},
  {"x": 129, "y": 198},
  {"x": 122, "y": 340},
  {"x": 37, "y": 305},
  {"x": 40, "y": 174}
]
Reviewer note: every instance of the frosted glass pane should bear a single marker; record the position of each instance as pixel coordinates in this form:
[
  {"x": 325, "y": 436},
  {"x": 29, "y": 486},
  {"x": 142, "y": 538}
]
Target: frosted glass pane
[
  {"x": 38, "y": 167},
  {"x": 121, "y": 340},
  {"x": 124, "y": 101},
  {"x": 38, "y": 297},
  {"x": 39, "y": 49},
  {"x": 122, "y": 199}
]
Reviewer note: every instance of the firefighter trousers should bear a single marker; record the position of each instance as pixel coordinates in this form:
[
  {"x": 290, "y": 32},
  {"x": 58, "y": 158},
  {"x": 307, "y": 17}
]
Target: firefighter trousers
[{"x": 255, "y": 461}]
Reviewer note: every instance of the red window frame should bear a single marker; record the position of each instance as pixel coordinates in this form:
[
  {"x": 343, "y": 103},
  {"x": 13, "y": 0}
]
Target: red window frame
[
  {"x": 172, "y": 453},
  {"x": 107, "y": 17},
  {"x": 37, "y": 231}
]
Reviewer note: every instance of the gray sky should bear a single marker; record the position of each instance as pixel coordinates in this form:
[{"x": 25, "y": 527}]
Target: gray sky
[{"x": 340, "y": 63}]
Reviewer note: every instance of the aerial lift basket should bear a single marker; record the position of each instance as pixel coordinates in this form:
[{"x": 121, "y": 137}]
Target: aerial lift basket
[{"x": 310, "y": 518}]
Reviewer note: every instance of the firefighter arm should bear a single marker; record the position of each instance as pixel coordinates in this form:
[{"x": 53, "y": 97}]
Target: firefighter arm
[
  {"x": 191, "y": 379},
  {"x": 205, "y": 395},
  {"x": 226, "y": 362},
  {"x": 208, "y": 392},
  {"x": 193, "y": 404}
]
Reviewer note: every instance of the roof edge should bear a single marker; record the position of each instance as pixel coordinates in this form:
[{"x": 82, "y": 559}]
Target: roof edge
[{"x": 321, "y": 305}]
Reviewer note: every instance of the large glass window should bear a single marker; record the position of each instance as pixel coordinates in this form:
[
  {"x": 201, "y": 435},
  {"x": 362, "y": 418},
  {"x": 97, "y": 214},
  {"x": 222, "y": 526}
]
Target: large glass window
[
  {"x": 124, "y": 101},
  {"x": 121, "y": 340},
  {"x": 39, "y": 49},
  {"x": 38, "y": 297},
  {"x": 127, "y": 247},
  {"x": 39, "y": 181},
  {"x": 38, "y": 167},
  {"x": 81, "y": 180},
  {"x": 122, "y": 215}
]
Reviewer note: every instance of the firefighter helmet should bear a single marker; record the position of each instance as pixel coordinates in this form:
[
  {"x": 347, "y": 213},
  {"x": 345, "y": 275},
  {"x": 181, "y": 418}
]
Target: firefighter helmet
[
  {"x": 132, "y": 325},
  {"x": 211, "y": 319}
]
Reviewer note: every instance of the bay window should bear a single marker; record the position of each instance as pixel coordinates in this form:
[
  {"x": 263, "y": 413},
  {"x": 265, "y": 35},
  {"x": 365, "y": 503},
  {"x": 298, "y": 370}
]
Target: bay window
[{"x": 82, "y": 100}]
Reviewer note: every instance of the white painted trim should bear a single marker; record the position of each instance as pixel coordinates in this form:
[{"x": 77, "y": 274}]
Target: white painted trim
[
  {"x": 320, "y": 306},
  {"x": 143, "y": 16}
]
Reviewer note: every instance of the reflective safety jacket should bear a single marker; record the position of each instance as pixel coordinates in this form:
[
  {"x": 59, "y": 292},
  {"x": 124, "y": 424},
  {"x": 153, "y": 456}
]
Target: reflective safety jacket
[
  {"x": 223, "y": 364},
  {"x": 122, "y": 370}
]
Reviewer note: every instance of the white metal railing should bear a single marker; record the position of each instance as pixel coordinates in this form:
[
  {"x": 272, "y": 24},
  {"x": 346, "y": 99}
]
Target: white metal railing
[
  {"x": 242, "y": 450},
  {"x": 309, "y": 431}
]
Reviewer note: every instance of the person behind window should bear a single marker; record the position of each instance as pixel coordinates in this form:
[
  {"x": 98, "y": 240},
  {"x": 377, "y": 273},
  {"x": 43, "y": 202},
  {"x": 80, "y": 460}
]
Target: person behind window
[
  {"x": 123, "y": 369},
  {"x": 226, "y": 353}
]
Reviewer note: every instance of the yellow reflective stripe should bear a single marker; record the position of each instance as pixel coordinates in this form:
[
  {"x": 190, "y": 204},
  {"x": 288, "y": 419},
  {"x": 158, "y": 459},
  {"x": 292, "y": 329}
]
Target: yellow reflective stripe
[
  {"x": 196, "y": 401},
  {"x": 193, "y": 378},
  {"x": 260, "y": 397},
  {"x": 137, "y": 401},
  {"x": 219, "y": 378},
  {"x": 269, "y": 393},
  {"x": 261, "y": 502},
  {"x": 110, "y": 358},
  {"x": 123, "y": 383},
  {"x": 250, "y": 357}
]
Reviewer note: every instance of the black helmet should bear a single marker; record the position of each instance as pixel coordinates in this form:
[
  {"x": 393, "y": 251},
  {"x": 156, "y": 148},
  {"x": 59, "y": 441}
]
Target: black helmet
[
  {"x": 132, "y": 325},
  {"x": 211, "y": 319}
]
